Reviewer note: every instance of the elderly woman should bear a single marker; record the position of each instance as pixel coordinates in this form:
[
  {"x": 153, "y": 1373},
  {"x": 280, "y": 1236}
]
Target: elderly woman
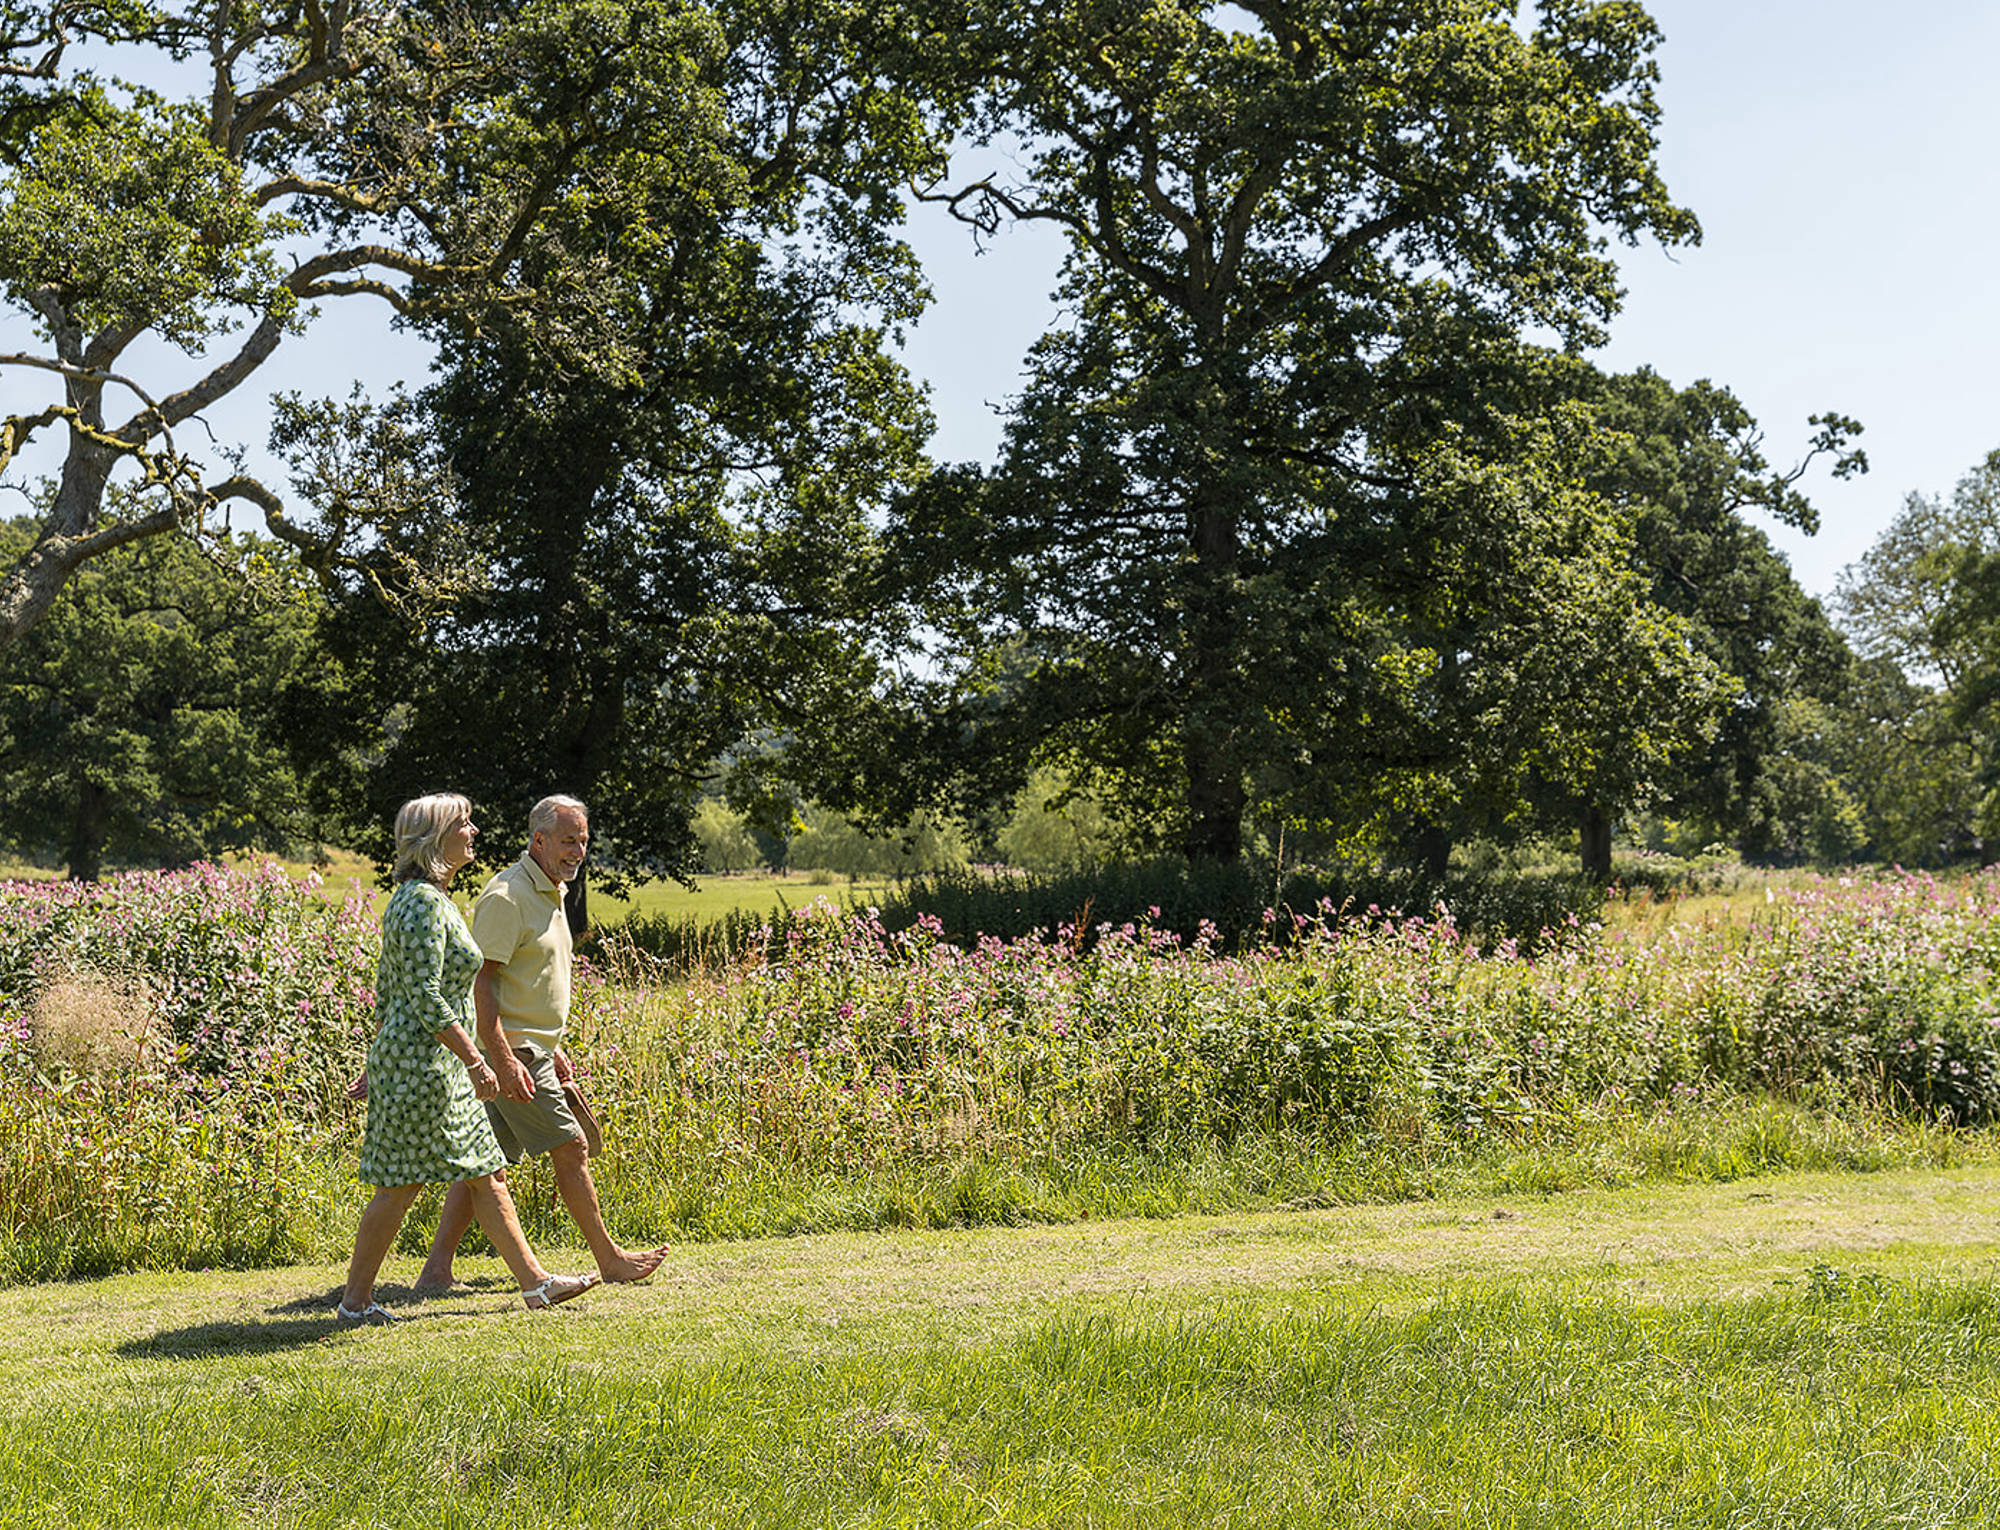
[{"x": 426, "y": 1078}]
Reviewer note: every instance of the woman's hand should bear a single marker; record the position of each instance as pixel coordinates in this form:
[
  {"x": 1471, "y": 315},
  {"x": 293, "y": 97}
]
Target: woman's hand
[{"x": 485, "y": 1082}]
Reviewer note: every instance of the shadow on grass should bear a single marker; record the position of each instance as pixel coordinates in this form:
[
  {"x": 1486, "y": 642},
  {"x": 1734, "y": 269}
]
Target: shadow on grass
[{"x": 302, "y": 1321}]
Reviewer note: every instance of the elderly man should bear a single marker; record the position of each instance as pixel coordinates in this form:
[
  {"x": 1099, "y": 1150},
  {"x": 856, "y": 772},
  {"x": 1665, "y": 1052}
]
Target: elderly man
[{"x": 520, "y": 999}]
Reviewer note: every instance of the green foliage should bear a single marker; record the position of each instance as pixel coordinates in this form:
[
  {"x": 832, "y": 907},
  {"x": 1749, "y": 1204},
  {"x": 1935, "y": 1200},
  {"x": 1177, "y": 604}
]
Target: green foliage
[
  {"x": 829, "y": 841},
  {"x": 136, "y": 722},
  {"x": 668, "y": 494},
  {"x": 1057, "y": 827},
  {"x": 1688, "y": 463},
  {"x": 1919, "y": 604},
  {"x": 131, "y": 218},
  {"x": 491, "y": 169},
  {"x": 1237, "y": 904},
  {"x": 725, "y": 839},
  {"x": 36, "y": 36},
  {"x": 1282, "y": 516}
]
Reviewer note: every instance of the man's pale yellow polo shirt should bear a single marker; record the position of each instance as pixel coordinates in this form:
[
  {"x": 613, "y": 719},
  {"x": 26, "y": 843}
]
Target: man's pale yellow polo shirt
[{"x": 518, "y": 920}]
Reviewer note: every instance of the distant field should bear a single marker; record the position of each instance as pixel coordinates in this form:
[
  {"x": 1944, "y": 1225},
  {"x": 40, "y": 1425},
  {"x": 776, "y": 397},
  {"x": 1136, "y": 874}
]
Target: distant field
[
  {"x": 710, "y": 898},
  {"x": 713, "y": 897}
]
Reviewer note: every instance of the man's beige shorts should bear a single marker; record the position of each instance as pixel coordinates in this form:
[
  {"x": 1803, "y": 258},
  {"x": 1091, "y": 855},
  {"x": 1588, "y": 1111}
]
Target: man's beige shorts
[{"x": 529, "y": 1128}]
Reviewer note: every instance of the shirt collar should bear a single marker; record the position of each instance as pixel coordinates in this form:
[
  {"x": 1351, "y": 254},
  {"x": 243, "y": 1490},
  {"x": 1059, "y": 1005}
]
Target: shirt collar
[{"x": 542, "y": 882}]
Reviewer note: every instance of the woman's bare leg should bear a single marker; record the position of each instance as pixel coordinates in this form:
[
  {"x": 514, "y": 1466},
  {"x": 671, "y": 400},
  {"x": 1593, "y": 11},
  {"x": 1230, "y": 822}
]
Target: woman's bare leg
[
  {"x": 380, "y": 1220},
  {"x": 454, "y": 1221}
]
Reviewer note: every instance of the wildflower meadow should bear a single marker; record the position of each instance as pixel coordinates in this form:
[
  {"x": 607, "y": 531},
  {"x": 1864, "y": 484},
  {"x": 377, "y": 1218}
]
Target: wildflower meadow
[{"x": 176, "y": 1049}]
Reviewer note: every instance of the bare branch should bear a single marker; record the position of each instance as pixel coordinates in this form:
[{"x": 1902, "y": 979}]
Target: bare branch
[
  {"x": 334, "y": 192},
  {"x": 16, "y": 429},
  {"x": 225, "y": 378},
  {"x": 86, "y": 374}
]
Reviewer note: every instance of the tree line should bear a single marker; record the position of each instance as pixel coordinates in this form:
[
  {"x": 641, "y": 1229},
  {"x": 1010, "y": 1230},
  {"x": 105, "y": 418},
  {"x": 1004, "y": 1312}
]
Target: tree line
[{"x": 1311, "y": 521}]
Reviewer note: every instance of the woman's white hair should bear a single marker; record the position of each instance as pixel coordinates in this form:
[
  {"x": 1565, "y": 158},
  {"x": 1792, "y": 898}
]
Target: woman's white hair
[
  {"x": 421, "y": 826},
  {"x": 542, "y": 816}
]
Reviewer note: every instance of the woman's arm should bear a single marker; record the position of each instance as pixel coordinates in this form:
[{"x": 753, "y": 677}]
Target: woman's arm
[{"x": 485, "y": 1082}]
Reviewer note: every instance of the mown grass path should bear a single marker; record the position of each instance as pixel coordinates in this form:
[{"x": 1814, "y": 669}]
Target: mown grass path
[{"x": 1797, "y": 1350}]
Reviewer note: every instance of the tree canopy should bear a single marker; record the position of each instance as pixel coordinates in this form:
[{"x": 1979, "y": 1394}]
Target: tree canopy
[
  {"x": 431, "y": 157},
  {"x": 1283, "y": 497},
  {"x": 1688, "y": 464},
  {"x": 1309, "y": 514},
  {"x": 1924, "y": 606},
  {"x": 666, "y": 558},
  {"x": 135, "y": 721}
]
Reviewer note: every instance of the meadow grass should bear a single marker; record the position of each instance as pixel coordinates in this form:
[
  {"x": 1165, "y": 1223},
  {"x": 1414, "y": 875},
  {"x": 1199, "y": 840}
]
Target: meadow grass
[
  {"x": 714, "y": 896},
  {"x": 1814, "y": 1351},
  {"x": 1377, "y": 1230},
  {"x": 174, "y": 1050}
]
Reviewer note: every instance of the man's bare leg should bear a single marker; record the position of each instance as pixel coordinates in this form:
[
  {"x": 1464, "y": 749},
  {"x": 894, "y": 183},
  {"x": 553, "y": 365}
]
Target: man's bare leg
[
  {"x": 579, "y": 1194},
  {"x": 454, "y": 1221}
]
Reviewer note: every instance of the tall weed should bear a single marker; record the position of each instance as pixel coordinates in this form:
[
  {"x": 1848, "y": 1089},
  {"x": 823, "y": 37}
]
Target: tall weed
[{"x": 172, "y": 1051}]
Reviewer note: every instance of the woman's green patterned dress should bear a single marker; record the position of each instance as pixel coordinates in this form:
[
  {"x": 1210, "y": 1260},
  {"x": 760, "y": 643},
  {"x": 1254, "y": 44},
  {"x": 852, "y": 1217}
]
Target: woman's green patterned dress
[{"x": 424, "y": 1124}]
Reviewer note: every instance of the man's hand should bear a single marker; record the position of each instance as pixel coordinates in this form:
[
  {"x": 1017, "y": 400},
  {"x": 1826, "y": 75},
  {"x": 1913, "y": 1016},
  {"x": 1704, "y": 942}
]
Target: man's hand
[
  {"x": 515, "y": 1081},
  {"x": 562, "y": 1067}
]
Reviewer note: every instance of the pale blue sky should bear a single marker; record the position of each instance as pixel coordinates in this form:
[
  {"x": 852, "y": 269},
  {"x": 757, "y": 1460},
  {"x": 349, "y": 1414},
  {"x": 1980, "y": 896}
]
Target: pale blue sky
[{"x": 1838, "y": 154}]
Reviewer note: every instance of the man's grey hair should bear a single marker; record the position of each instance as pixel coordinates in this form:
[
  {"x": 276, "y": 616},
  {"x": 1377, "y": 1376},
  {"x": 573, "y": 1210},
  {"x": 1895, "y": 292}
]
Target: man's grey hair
[{"x": 542, "y": 816}]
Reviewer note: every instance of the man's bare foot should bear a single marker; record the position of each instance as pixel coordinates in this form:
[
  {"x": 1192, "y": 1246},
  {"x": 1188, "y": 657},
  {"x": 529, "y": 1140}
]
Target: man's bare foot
[
  {"x": 628, "y": 1267},
  {"x": 434, "y": 1285}
]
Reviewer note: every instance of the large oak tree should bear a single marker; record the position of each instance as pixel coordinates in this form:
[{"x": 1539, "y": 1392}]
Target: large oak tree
[
  {"x": 293, "y": 157},
  {"x": 1282, "y": 514},
  {"x": 671, "y": 555}
]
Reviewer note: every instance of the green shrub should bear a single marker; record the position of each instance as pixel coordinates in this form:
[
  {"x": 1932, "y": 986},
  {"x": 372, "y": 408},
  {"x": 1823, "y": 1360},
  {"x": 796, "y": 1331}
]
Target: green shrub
[{"x": 1236, "y": 904}]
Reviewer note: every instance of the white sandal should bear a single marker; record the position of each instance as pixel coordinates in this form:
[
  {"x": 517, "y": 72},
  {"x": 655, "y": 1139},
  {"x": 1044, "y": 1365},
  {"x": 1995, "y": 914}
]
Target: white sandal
[
  {"x": 556, "y": 1290},
  {"x": 371, "y": 1315}
]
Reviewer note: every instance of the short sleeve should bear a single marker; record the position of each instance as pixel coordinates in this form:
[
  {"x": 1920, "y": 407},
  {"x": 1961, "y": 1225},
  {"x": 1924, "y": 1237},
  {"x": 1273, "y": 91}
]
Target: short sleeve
[{"x": 496, "y": 924}]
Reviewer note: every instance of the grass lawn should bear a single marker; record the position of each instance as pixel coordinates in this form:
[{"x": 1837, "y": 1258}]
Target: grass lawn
[
  {"x": 1788, "y": 1352},
  {"x": 715, "y": 896}
]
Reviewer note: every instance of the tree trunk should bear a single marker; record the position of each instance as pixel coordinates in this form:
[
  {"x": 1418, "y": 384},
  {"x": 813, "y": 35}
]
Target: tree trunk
[
  {"x": 1215, "y": 801},
  {"x": 1209, "y": 751},
  {"x": 88, "y": 830},
  {"x": 1596, "y": 844},
  {"x": 1430, "y": 850},
  {"x": 71, "y": 527}
]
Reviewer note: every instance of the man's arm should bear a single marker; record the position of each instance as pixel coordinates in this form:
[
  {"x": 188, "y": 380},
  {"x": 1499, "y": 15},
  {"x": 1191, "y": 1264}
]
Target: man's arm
[{"x": 515, "y": 1084}]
